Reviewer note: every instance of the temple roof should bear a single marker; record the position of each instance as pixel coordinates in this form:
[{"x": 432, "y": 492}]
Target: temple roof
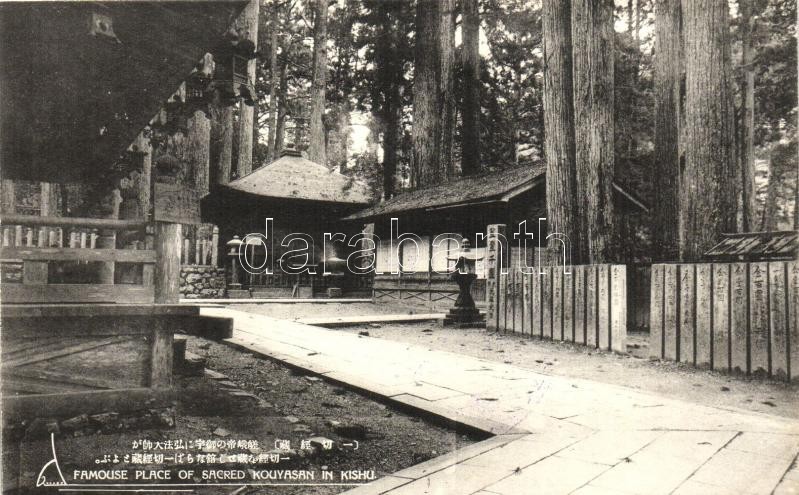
[
  {"x": 80, "y": 80},
  {"x": 490, "y": 187},
  {"x": 755, "y": 246},
  {"x": 294, "y": 177}
]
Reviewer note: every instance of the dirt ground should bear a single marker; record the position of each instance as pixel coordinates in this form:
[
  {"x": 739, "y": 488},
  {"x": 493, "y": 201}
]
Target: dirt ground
[
  {"x": 664, "y": 378},
  {"x": 258, "y": 400}
]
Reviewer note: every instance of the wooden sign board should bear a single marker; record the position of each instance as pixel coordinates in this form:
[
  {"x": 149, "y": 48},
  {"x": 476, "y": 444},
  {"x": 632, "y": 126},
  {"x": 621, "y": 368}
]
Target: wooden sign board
[{"x": 176, "y": 203}]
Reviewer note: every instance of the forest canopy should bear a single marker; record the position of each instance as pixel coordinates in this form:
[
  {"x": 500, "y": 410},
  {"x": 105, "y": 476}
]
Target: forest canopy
[{"x": 488, "y": 60}]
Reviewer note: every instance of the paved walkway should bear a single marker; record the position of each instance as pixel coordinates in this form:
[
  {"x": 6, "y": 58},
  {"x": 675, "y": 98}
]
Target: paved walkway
[
  {"x": 346, "y": 321},
  {"x": 553, "y": 435}
]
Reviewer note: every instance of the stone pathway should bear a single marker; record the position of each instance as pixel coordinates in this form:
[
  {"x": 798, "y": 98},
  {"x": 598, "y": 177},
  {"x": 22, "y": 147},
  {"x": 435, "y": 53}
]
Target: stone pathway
[
  {"x": 553, "y": 435},
  {"x": 346, "y": 321}
]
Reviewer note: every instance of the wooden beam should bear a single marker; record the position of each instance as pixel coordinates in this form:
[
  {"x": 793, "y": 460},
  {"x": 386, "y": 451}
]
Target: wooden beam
[
  {"x": 73, "y": 403},
  {"x": 77, "y": 254},
  {"x": 106, "y": 223},
  {"x": 86, "y": 293}
]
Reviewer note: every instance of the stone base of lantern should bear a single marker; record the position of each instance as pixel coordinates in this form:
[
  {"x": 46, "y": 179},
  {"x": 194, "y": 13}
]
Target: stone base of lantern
[
  {"x": 334, "y": 292},
  {"x": 464, "y": 318}
]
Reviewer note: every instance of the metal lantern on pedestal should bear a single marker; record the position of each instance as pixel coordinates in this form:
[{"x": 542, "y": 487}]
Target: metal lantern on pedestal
[
  {"x": 334, "y": 272},
  {"x": 465, "y": 312},
  {"x": 233, "y": 252}
]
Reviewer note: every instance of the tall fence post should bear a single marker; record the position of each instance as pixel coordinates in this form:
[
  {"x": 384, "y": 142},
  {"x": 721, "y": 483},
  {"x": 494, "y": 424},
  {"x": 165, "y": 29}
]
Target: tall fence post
[
  {"x": 167, "y": 262},
  {"x": 495, "y": 233}
]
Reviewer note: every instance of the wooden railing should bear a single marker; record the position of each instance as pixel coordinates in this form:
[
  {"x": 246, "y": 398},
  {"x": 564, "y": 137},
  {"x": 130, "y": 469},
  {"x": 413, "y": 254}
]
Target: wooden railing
[
  {"x": 200, "y": 245},
  {"x": 89, "y": 269}
]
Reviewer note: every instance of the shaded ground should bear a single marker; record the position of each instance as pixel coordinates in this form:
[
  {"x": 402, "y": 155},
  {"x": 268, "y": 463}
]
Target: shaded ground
[
  {"x": 674, "y": 380},
  {"x": 260, "y": 401}
]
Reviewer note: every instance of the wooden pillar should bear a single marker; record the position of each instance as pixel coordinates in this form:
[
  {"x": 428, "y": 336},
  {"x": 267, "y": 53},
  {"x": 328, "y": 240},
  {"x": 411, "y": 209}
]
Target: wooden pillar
[
  {"x": 9, "y": 200},
  {"x": 198, "y": 151},
  {"x": 167, "y": 263},
  {"x": 143, "y": 145},
  {"x": 108, "y": 240}
]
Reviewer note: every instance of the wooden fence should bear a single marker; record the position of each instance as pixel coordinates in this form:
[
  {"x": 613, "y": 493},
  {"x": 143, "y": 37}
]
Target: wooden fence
[
  {"x": 738, "y": 317},
  {"x": 89, "y": 269},
  {"x": 587, "y": 305},
  {"x": 200, "y": 245}
]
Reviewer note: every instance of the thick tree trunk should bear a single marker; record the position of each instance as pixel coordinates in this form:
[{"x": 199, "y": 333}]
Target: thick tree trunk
[
  {"x": 592, "y": 70},
  {"x": 562, "y": 216},
  {"x": 247, "y": 26},
  {"x": 432, "y": 95},
  {"x": 221, "y": 143},
  {"x": 666, "y": 174},
  {"x": 198, "y": 151},
  {"x": 470, "y": 135},
  {"x": 748, "y": 119},
  {"x": 707, "y": 199},
  {"x": 316, "y": 149},
  {"x": 273, "y": 85},
  {"x": 447, "y": 85}
]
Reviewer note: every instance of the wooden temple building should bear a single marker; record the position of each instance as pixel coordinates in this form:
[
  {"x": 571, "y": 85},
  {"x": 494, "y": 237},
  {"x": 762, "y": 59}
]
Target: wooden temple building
[
  {"x": 112, "y": 105},
  {"x": 301, "y": 197},
  {"x": 463, "y": 207}
]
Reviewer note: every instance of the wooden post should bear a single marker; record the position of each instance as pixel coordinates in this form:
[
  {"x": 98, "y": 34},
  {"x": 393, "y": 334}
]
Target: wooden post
[
  {"x": 215, "y": 246},
  {"x": 9, "y": 200},
  {"x": 167, "y": 263},
  {"x": 494, "y": 262},
  {"x": 106, "y": 240},
  {"x": 161, "y": 349}
]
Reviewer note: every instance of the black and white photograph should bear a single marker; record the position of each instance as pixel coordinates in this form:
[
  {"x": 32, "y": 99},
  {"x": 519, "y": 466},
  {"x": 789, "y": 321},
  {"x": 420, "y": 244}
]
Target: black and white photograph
[{"x": 400, "y": 247}]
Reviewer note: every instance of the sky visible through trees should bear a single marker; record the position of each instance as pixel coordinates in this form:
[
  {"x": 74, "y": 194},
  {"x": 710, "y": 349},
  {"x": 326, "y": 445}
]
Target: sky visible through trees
[{"x": 371, "y": 69}]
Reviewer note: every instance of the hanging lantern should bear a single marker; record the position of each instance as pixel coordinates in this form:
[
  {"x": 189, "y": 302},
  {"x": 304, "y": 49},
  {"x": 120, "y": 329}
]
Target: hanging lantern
[{"x": 231, "y": 76}]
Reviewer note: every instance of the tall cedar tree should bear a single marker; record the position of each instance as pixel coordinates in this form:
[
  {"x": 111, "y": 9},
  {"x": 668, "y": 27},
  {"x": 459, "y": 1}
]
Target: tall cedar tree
[
  {"x": 666, "y": 176},
  {"x": 316, "y": 148},
  {"x": 470, "y": 135},
  {"x": 559, "y": 120},
  {"x": 748, "y": 118},
  {"x": 273, "y": 85},
  {"x": 592, "y": 74},
  {"x": 707, "y": 199},
  {"x": 433, "y": 99},
  {"x": 389, "y": 78}
]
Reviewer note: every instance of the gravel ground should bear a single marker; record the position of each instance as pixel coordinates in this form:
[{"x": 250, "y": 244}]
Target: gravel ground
[
  {"x": 259, "y": 400},
  {"x": 669, "y": 379}
]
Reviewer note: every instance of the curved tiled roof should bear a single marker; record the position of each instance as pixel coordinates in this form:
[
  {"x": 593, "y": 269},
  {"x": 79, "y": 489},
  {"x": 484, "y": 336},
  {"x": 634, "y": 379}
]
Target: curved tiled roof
[{"x": 294, "y": 177}]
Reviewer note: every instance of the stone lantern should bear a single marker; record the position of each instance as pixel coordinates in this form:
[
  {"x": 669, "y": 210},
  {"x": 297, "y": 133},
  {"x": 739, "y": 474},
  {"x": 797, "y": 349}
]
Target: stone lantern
[
  {"x": 465, "y": 313},
  {"x": 233, "y": 253}
]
